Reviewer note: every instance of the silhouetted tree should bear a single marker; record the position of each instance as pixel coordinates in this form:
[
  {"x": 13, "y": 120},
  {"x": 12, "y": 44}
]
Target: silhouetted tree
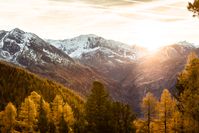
[
  {"x": 122, "y": 119},
  {"x": 98, "y": 110}
]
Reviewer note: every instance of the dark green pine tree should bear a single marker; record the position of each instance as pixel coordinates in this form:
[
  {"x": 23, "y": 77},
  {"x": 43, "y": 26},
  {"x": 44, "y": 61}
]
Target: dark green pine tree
[
  {"x": 79, "y": 123},
  {"x": 42, "y": 121},
  {"x": 98, "y": 111},
  {"x": 63, "y": 126},
  {"x": 123, "y": 118}
]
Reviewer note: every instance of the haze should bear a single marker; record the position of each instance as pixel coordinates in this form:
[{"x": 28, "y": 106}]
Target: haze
[{"x": 148, "y": 23}]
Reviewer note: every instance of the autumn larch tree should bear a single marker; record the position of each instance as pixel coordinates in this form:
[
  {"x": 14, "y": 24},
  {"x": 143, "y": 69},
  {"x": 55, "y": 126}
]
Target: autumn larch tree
[
  {"x": 166, "y": 110},
  {"x": 57, "y": 109},
  {"x": 148, "y": 106},
  {"x": 9, "y": 118},
  {"x": 188, "y": 95},
  {"x": 68, "y": 116},
  {"x": 27, "y": 115}
]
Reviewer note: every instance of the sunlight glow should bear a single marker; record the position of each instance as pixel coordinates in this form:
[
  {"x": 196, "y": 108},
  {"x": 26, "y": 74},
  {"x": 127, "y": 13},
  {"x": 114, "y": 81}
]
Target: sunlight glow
[
  {"x": 150, "y": 34},
  {"x": 151, "y": 24}
]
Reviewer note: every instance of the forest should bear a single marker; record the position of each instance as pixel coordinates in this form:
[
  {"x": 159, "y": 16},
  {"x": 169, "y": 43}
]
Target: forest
[
  {"x": 40, "y": 105},
  {"x": 32, "y": 104},
  {"x": 98, "y": 113}
]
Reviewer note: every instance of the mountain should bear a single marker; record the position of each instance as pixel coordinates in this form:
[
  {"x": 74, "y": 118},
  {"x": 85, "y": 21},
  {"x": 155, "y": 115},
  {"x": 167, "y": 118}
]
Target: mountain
[
  {"x": 134, "y": 69},
  {"x": 106, "y": 56},
  {"x": 38, "y": 56},
  {"x": 128, "y": 72},
  {"x": 26, "y": 49},
  {"x": 82, "y": 45},
  {"x": 159, "y": 70}
]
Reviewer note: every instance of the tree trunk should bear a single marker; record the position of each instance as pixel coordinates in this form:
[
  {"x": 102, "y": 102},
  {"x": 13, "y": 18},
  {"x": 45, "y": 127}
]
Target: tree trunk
[
  {"x": 165, "y": 117},
  {"x": 149, "y": 117}
]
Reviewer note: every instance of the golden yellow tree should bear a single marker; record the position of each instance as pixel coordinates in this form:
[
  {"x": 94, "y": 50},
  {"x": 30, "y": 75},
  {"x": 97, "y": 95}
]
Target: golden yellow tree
[
  {"x": 27, "y": 114},
  {"x": 9, "y": 118},
  {"x": 35, "y": 97},
  {"x": 140, "y": 126},
  {"x": 176, "y": 119},
  {"x": 148, "y": 106},
  {"x": 166, "y": 111},
  {"x": 57, "y": 109},
  {"x": 61, "y": 109},
  {"x": 46, "y": 107},
  {"x": 68, "y": 115},
  {"x": 191, "y": 57},
  {"x": 187, "y": 88}
]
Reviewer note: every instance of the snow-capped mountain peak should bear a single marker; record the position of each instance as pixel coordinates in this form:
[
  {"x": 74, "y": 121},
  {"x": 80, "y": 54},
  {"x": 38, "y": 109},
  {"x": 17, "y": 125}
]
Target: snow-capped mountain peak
[
  {"x": 187, "y": 44},
  {"x": 27, "y": 48},
  {"x": 91, "y": 44}
]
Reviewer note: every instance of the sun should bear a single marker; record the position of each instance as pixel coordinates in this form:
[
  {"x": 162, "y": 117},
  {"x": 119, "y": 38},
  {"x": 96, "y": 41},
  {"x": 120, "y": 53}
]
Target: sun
[{"x": 151, "y": 35}]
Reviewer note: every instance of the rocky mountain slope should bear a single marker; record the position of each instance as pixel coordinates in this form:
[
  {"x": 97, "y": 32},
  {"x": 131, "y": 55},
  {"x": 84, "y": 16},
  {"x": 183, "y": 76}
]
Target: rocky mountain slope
[
  {"x": 106, "y": 56},
  {"x": 36, "y": 55},
  {"x": 127, "y": 71},
  {"x": 82, "y": 45},
  {"x": 26, "y": 49},
  {"x": 159, "y": 70},
  {"x": 134, "y": 69}
]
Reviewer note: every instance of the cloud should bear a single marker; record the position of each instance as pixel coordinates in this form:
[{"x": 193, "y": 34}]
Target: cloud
[{"x": 129, "y": 21}]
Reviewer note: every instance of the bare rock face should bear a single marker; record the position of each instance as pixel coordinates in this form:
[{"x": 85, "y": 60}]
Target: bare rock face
[
  {"x": 11, "y": 47},
  {"x": 2, "y": 34}
]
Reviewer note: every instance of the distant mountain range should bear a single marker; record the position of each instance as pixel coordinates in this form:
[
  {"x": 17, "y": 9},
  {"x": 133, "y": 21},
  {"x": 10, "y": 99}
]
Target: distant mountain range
[{"x": 127, "y": 71}]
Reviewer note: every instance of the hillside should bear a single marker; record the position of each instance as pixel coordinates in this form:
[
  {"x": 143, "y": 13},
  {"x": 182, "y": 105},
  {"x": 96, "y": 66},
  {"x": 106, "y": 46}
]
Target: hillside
[
  {"x": 16, "y": 84},
  {"x": 128, "y": 72},
  {"x": 135, "y": 70},
  {"x": 29, "y": 51}
]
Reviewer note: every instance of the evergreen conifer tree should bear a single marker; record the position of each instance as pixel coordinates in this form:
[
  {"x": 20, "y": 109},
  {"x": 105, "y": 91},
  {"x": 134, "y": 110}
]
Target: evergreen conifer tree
[
  {"x": 98, "y": 110},
  {"x": 42, "y": 120}
]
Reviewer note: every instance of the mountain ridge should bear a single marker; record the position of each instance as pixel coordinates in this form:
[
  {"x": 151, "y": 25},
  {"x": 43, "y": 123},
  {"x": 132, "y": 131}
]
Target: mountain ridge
[{"x": 127, "y": 72}]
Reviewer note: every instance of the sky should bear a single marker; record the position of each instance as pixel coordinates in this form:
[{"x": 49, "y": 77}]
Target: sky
[{"x": 148, "y": 23}]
